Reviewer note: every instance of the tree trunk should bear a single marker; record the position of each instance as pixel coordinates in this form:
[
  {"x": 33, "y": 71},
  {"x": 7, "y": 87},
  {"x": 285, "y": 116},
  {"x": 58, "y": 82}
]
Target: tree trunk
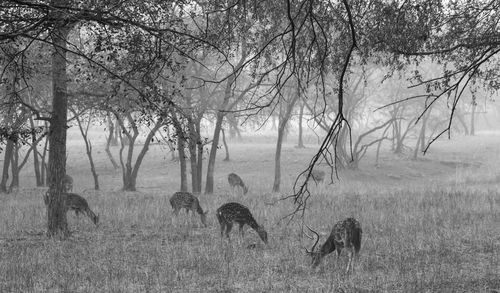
[
  {"x": 109, "y": 154},
  {"x": 88, "y": 149},
  {"x": 282, "y": 124},
  {"x": 112, "y": 139},
  {"x": 234, "y": 130},
  {"x": 200, "y": 146},
  {"x": 194, "y": 139},
  {"x": 209, "y": 188},
  {"x": 417, "y": 146},
  {"x": 43, "y": 173},
  {"x": 56, "y": 210},
  {"x": 423, "y": 131},
  {"x": 36, "y": 159},
  {"x": 377, "y": 155},
  {"x": 473, "y": 117},
  {"x": 145, "y": 148},
  {"x": 462, "y": 121},
  {"x": 226, "y": 159},
  {"x": 128, "y": 181},
  {"x": 15, "y": 169},
  {"x": 8, "y": 120},
  {"x": 112, "y": 134},
  {"x": 170, "y": 144},
  {"x": 300, "y": 144},
  {"x": 228, "y": 93},
  {"x": 9, "y": 152},
  {"x": 130, "y": 170},
  {"x": 182, "y": 161},
  {"x": 277, "y": 158},
  {"x": 181, "y": 144}
]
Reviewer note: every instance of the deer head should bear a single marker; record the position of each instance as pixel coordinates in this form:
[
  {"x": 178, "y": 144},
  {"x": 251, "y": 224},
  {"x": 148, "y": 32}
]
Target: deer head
[
  {"x": 262, "y": 234},
  {"x": 315, "y": 255},
  {"x": 203, "y": 218}
]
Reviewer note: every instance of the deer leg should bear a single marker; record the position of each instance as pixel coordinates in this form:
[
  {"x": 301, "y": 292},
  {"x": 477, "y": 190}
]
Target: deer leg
[
  {"x": 222, "y": 228},
  {"x": 338, "y": 256},
  {"x": 242, "y": 232},
  {"x": 349, "y": 263},
  {"x": 229, "y": 226}
]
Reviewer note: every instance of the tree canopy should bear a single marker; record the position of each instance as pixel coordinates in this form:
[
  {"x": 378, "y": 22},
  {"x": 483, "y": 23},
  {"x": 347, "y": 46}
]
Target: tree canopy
[{"x": 152, "y": 55}]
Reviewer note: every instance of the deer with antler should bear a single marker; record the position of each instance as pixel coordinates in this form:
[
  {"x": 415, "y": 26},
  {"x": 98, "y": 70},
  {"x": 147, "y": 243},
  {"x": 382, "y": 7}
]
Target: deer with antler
[{"x": 345, "y": 234}]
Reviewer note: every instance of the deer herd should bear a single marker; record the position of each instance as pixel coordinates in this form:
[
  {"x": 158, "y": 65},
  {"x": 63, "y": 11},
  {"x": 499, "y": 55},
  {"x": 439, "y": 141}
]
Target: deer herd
[{"x": 345, "y": 234}]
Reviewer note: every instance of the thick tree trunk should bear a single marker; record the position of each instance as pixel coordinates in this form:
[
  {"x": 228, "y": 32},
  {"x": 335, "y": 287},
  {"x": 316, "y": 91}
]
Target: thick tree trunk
[
  {"x": 194, "y": 139},
  {"x": 15, "y": 168},
  {"x": 8, "y": 120},
  {"x": 129, "y": 183},
  {"x": 8, "y": 154},
  {"x": 226, "y": 159},
  {"x": 181, "y": 142},
  {"x": 209, "y": 188},
  {"x": 56, "y": 210}
]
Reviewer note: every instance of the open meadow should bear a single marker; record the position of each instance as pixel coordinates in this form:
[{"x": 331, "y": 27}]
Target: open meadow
[{"x": 429, "y": 225}]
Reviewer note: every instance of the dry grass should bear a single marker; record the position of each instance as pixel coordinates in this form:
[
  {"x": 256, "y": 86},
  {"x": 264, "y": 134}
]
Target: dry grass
[{"x": 418, "y": 236}]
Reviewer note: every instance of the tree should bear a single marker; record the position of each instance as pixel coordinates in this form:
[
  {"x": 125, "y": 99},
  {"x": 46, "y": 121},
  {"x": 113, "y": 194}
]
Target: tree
[
  {"x": 57, "y": 222},
  {"x": 52, "y": 22},
  {"x": 284, "y": 117},
  {"x": 84, "y": 130}
]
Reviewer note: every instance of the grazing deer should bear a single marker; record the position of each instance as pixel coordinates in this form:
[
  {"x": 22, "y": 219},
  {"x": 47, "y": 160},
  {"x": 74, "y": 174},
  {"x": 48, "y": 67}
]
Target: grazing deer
[
  {"x": 232, "y": 212},
  {"x": 75, "y": 202},
  {"x": 188, "y": 201},
  {"x": 345, "y": 234},
  {"x": 235, "y": 180},
  {"x": 67, "y": 183},
  {"x": 318, "y": 175}
]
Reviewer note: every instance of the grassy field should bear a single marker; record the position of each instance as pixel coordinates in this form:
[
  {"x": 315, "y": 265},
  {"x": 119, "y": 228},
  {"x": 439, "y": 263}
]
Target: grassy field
[{"x": 430, "y": 225}]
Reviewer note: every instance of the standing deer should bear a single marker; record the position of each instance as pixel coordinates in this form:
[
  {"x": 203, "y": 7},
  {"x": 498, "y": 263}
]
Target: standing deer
[
  {"x": 75, "y": 202},
  {"x": 233, "y": 212},
  {"x": 345, "y": 234},
  {"x": 235, "y": 180},
  {"x": 67, "y": 183},
  {"x": 188, "y": 201}
]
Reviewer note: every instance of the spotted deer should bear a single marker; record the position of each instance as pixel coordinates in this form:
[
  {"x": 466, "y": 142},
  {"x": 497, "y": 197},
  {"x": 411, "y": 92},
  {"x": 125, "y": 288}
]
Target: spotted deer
[
  {"x": 235, "y": 180},
  {"x": 75, "y": 202},
  {"x": 188, "y": 201},
  {"x": 233, "y": 212},
  {"x": 345, "y": 234},
  {"x": 67, "y": 183}
]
